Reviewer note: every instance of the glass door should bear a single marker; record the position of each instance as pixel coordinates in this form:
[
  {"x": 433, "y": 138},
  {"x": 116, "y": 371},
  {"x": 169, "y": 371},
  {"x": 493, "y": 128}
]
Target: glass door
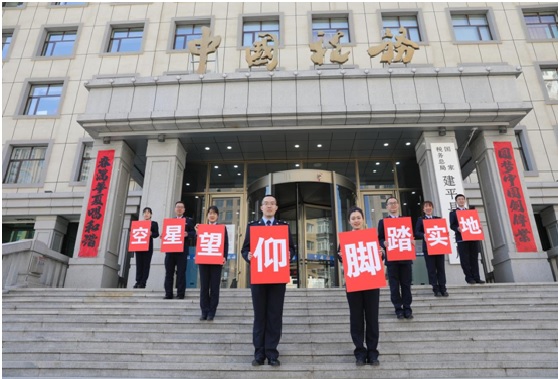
[{"x": 317, "y": 264}]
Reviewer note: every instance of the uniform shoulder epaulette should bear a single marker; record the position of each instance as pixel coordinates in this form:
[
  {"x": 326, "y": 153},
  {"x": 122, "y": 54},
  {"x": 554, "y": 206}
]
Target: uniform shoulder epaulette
[
  {"x": 252, "y": 222},
  {"x": 282, "y": 222}
]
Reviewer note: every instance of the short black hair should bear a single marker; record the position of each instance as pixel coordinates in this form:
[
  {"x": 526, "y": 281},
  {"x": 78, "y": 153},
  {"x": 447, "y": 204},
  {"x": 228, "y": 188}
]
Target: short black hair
[
  {"x": 353, "y": 210},
  {"x": 147, "y": 209},
  {"x": 392, "y": 197},
  {"x": 268, "y": 195},
  {"x": 214, "y": 209},
  {"x": 459, "y": 195},
  {"x": 180, "y": 202}
]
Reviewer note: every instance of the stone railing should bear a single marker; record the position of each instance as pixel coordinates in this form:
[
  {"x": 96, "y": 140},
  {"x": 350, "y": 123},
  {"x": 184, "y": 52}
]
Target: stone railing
[
  {"x": 553, "y": 260},
  {"x": 30, "y": 263}
]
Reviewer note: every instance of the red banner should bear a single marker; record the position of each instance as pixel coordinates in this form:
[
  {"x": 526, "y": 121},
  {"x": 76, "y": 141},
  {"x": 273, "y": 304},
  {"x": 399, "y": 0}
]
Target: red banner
[
  {"x": 469, "y": 222},
  {"x": 362, "y": 260},
  {"x": 172, "y": 238},
  {"x": 95, "y": 214},
  {"x": 436, "y": 235},
  {"x": 513, "y": 192},
  {"x": 270, "y": 259},
  {"x": 139, "y": 236},
  {"x": 210, "y": 246},
  {"x": 399, "y": 239}
]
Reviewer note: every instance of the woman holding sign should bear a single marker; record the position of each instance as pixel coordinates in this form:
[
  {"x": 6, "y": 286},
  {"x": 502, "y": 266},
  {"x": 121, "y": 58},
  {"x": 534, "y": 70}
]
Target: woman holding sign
[
  {"x": 434, "y": 263},
  {"x": 210, "y": 274},
  {"x": 143, "y": 259},
  {"x": 364, "y": 304}
]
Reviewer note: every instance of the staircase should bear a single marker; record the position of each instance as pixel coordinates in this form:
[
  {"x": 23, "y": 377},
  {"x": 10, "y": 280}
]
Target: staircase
[{"x": 480, "y": 331}]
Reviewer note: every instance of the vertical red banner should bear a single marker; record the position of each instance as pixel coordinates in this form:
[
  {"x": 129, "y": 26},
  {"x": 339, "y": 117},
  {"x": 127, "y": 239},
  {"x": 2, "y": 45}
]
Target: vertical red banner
[
  {"x": 172, "y": 238},
  {"x": 362, "y": 260},
  {"x": 210, "y": 245},
  {"x": 515, "y": 200},
  {"x": 399, "y": 239},
  {"x": 139, "y": 236},
  {"x": 95, "y": 214},
  {"x": 271, "y": 256}
]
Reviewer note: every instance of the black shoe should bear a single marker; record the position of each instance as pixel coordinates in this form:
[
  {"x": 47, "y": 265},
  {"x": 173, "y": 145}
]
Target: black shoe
[
  {"x": 445, "y": 294},
  {"x": 257, "y": 362},
  {"x": 437, "y": 294},
  {"x": 471, "y": 282},
  {"x": 409, "y": 316},
  {"x": 274, "y": 362},
  {"x": 181, "y": 297},
  {"x": 210, "y": 317},
  {"x": 360, "y": 362},
  {"x": 203, "y": 317},
  {"x": 400, "y": 316},
  {"x": 480, "y": 281},
  {"x": 142, "y": 286},
  {"x": 374, "y": 362},
  {"x": 168, "y": 297},
  {"x": 136, "y": 285}
]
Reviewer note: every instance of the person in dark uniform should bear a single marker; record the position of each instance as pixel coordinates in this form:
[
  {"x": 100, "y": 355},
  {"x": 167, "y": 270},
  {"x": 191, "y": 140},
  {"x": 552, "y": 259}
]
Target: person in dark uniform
[
  {"x": 143, "y": 258},
  {"x": 210, "y": 275},
  {"x": 468, "y": 250},
  {"x": 177, "y": 262},
  {"x": 400, "y": 273},
  {"x": 267, "y": 299},
  {"x": 434, "y": 263},
  {"x": 363, "y": 307}
]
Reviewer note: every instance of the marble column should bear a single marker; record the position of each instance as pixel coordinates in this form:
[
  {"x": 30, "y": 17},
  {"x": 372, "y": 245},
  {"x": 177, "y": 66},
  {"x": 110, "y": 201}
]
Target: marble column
[
  {"x": 51, "y": 230},
  {"x": 102, "y": 271}
]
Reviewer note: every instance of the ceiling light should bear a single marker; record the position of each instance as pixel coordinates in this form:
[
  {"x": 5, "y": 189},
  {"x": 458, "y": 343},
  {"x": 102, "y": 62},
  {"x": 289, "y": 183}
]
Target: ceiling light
[
  {"x": 297, "y": 146},
  {"x": 238, "y": 174},
  {"x": 235, "y": 166},
  {"x": 187, "y": 184},
  {"x": 386, "y": 144},
  {"x": 397, "y": 162},
  {"x": 216, "y": 166},
  {"x": 319, "y": 145},
  {"x": 219, "y": 175},
  {"x": 412, "y": 193},
  {"x": 229, "y": 147},
  {"x": 197, "y": 197},
  {"x": 297, "y": 165},
  {"x": 374, "y": 171},
  {"x": 377, "y": 163},
  {"x": 408, "y": 144},
  {"x": 207, "y": 148},
  {"x": 404, "y": 203}
]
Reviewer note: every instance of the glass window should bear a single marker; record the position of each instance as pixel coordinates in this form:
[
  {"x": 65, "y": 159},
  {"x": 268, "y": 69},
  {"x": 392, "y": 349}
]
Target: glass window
[
  {"x": 65, "y": 3},
  {"x": 518, "y": 138},
  {"x": 310, "y": 245},
  {"x": 471, "y": 27},
  {"x": 376, "y": 174},
  {"x": 43, "y": 100},
  {"x": 125, "y": 40},
  {"x": 25, "y": 165},
  {"x": 252, "y": 29},
  {"x": 226, "y": 177},
  {"x": 86, "y": 162},
  {"x": 17, "y": 232},
  {"x": 185, "y": 33},
  {"x": 404, "y": 180},
  {"x": 195, "y": 178},
  {"x": 6, "y": 42},
  {"x": 12, "y": 5},
  {"x": 410, "y": 23},
  {"x": 541, "y": 25},
  {"x": 330, "y": 26},
  {"x": 59, "y": 43},
  {"x": 550, "y": 77}
]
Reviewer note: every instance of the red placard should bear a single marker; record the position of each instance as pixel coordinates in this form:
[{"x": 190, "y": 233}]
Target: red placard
[
  {"x": 362, "y": 260},
  {"x": 172, "y": 238},
  {"x": 210, "y": 246},
  {"x": 95, "y": 214},
  {"x": 436, "y": 235},
  {"x": 399, "y": 239},
  {"x": 270, "y": 259},
  {"x": 139, "y": 236},
  {"x": 515, "y": 200},
  {"x": 469, "y": 222}
]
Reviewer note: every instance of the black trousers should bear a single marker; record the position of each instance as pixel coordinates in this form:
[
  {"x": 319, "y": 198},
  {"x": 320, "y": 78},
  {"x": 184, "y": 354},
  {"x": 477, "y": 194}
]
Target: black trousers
[
  {"x": 400, "y": 277},
  {"x": 210, "y": 280},
  {"x": 143, "y": 265},
  {"x": 469, "y": 258},
  {"x": 436, "y": 272},
  {"x": 267, "y": 300},
  {"x": 363, "y": 308},
  {"x": 175, "y": 262}
]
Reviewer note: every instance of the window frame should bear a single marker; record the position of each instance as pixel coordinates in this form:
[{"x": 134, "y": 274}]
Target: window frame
[
  {"x": 78, "y": 160},
  {"x": 278, "y": 16},
  {"x": 46, "y": 30},
  {"x": 487, "y": 11},
  {"x": 539, "y": 67},
  {"x": 402, "y": 13},
  {"x": 111, "y": 25},
  {"x": 8, "y": 149},
  {"x": 329, "y": 14},
  {"x": 28, "y": 84},
  {"x": 21, "y": 6},
  {"x": 13, "y": 30},
  {"x": 179, "y": 21},
  {"x": 540, "y": 8},
  {"x": 520, "y": 132}
]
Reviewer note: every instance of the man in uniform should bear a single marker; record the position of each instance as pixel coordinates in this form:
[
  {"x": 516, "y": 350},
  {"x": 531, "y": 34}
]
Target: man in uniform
[{"x": 267, "y": 299}]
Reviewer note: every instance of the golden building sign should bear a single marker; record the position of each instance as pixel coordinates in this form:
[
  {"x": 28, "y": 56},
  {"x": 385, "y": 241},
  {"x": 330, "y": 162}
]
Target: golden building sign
[
  {"x": 203, "y": 47},
  {"x": 262, "y": 53},
  {"x": 404, "y": 47}
]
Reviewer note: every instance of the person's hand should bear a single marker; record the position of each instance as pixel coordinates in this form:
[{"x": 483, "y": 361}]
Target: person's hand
[
  {"x": 196, "y": 227},
  {"x": 250, "y": 255}
]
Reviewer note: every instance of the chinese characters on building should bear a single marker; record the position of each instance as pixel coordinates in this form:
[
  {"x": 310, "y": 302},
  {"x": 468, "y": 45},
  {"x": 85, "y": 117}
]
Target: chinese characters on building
[
  {"x": 203, "y": 47},
  {"x": 513, "y": 193},
  {"x": 93, "y": 225},
  {"x": 404, "y": 47},
  {"x": 447, "y": 174},
  {"x": 263, "y": 52}
]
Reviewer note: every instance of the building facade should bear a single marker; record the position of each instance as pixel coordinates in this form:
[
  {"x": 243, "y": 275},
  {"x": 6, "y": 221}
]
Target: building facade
[{"x": 326, "y": 105}]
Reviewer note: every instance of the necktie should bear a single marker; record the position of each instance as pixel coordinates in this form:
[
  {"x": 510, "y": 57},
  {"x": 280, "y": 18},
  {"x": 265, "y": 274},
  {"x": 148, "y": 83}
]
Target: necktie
[{"x": 268, "y": 223}]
